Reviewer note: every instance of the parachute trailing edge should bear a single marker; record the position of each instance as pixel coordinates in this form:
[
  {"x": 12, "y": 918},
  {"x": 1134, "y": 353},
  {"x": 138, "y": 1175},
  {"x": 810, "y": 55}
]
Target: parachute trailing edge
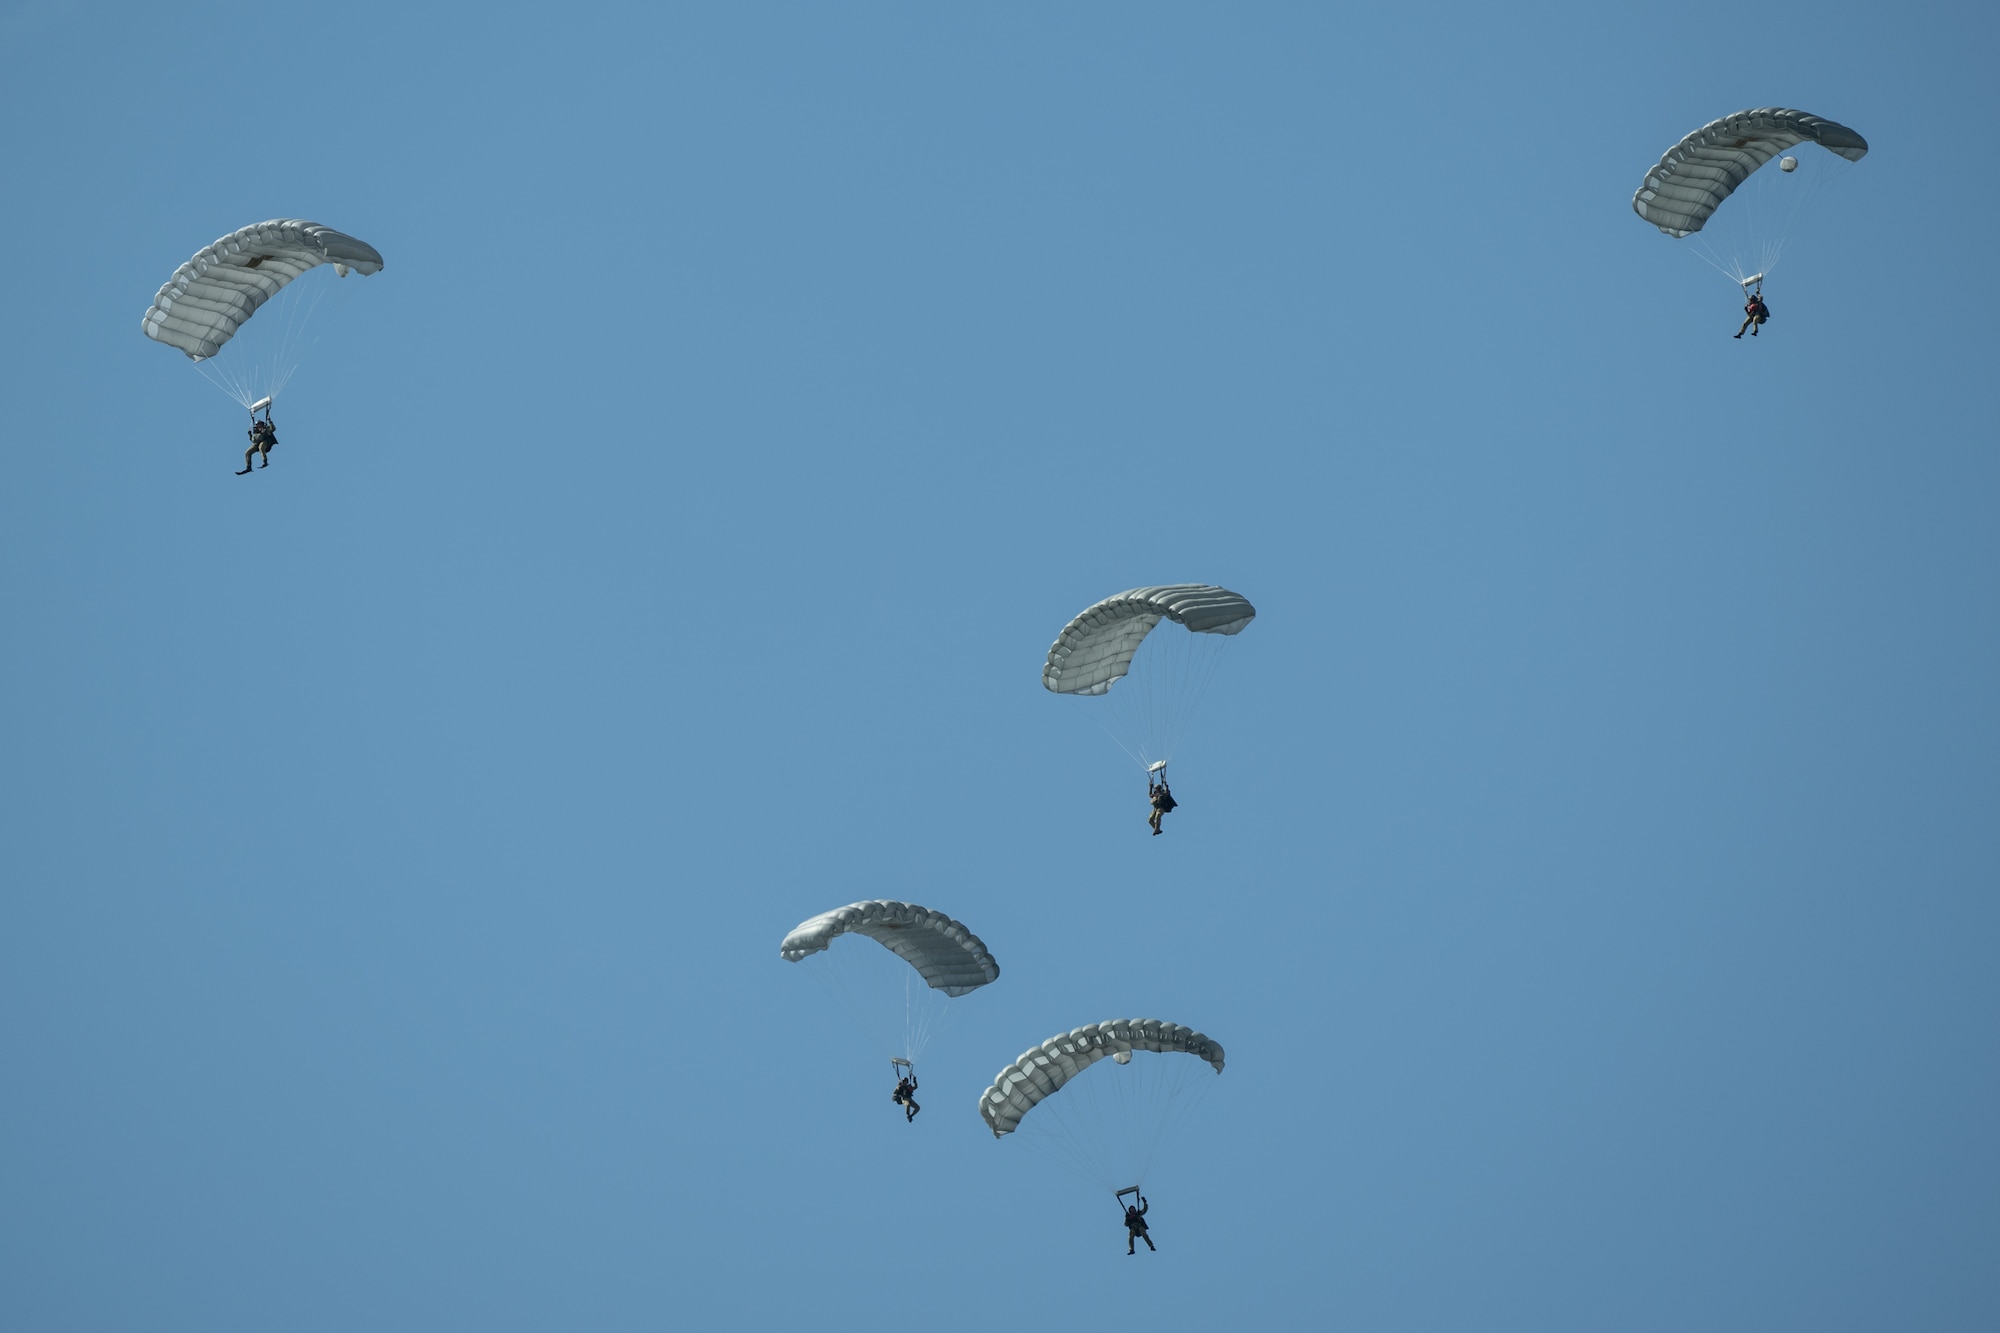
[
  {"x": 1043, "y": 1070},
  {"x": 1095, "y": 649},
  {"x": 1690, "y": 182},
  {"x": 211, "y": 296},
  {"x": 945, "y": 954}
]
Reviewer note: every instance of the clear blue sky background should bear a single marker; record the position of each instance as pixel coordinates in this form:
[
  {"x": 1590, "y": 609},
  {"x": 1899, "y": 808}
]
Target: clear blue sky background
[{"x": 1588, "y": 858}]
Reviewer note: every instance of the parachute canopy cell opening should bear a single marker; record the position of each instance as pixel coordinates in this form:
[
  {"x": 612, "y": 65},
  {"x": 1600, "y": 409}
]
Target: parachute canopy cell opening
[
  {"x": 1108, "y": 1126},
  {"x": 208, "y": 304},
  {"x": 895, "y": 995},
  {"x": 1151, "y": 695},
  {"x": 1684, "y": 194}
]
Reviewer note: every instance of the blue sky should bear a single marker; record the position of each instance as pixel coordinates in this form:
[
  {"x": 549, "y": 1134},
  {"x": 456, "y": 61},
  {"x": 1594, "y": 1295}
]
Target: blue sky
[{"x": 1587, "y": 858}]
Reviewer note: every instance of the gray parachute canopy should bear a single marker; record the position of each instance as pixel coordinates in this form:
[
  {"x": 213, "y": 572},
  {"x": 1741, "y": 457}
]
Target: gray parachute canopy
[
  {"x": 1096, "y": 648},
  {"x": 1043, "y": 1070},
  {"x": 1702, "y": 170},
  {"x": 209, "y": 297},
  {"x": 949, "y": 957}
]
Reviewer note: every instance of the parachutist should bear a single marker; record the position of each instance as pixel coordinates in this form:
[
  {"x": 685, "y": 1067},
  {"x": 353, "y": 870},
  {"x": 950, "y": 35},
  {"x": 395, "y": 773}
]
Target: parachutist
[
  {"x": 263, "y": 439},
  {"x": 1135, "y": 1226},
  {"x": 1161, "y": 800},
  {"x": 905, "y": 1096},
  {"x": 1755, "y": 312}
]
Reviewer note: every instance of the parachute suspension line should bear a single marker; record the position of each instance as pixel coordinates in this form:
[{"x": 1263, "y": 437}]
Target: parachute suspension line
[
  {"x": 225, "y": 378},
  {"x": 1178, "y": 1106},
  {"x": 1111, "y": 1123},
  {"x": 1136, "y": 756},
  {"x": 885, "y": 999},
  {"x": 268, "y": 350},
  {"x": 293, "y": 347},
  {"x": 1058, "y": 1145},
  {"x": 1204, "y": 659},
  {"x": 837, "y": 983},
  {"x": 925, "y": 1013},
  {"x": 1148, "y": 710},
  {"x": 1748, "y": 235},
  {"x": 1153, "y": 1098},
  {"x": 1189, "y": 671},
  {"x": 1080, "y": 1133},
  {"x": 285, "y": 361}
]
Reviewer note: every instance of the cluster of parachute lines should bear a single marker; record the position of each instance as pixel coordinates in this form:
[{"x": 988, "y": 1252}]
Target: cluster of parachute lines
[{"x": 1105, "y": 1100}]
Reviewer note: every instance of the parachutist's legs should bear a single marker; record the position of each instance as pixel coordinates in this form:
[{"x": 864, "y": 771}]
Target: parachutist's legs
[
  {"x": 1148, "y": 1238},
  {"x": 910, "y": 1110},
  {"x": 1749, "y": 322},
  {"x": 248, "y": 454}
]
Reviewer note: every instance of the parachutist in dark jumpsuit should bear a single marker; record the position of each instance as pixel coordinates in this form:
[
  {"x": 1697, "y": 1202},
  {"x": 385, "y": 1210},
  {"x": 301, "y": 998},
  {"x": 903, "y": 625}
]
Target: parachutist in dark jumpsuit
[
  {"x": 905, "y": 1097},
  {"x": 1755, "y": 312},
  {"x": 263, "y": 438},
  {"x": 1162, "y": 801},
  {"x": 1135, "y": 1226}
]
